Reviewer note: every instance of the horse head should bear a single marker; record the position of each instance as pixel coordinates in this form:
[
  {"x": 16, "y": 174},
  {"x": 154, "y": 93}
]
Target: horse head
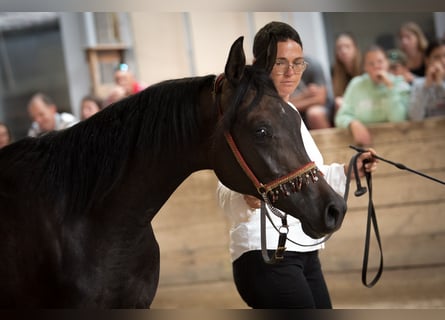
[{"x": 259, "y": 150}]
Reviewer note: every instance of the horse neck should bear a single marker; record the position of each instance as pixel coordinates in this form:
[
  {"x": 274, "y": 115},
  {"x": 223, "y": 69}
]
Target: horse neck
[{"x": 158, "y": 179}]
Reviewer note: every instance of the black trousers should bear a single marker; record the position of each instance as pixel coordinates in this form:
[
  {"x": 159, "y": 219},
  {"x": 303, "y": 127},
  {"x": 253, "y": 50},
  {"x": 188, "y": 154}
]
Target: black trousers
[{"x": 295, "y": 282}]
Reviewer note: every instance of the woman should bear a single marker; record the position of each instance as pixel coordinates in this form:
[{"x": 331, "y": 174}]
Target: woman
[
  {"x": 413, "y": 43},
  {"x": 297, "y": 281},
  {"x": 347, "y": 65},
  {"x": 89, "y": 106},
  {"x": 375, "y": 96}
]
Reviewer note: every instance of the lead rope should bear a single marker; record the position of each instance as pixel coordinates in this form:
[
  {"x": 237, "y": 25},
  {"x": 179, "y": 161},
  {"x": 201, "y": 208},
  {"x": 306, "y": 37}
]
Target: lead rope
[{"x": 371, "y": 219}]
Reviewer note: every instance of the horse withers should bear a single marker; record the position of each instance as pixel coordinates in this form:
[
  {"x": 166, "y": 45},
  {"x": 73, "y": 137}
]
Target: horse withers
[{"x": 76, "y": 205}]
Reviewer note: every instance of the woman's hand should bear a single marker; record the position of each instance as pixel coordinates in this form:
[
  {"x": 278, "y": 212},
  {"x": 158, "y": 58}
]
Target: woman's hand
[
  {"x": 434, "y": 74},
  {"x": 383, "y": 77},
  {"x": 365, "y": 163},
  {"x": 252, "y": 202}
]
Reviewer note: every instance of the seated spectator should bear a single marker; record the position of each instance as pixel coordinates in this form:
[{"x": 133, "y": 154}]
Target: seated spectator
[
  {"x": 43, "y": 112},
  {"x": 90, "y": 105},
  {"x": 312, "y": 98},
  {"x": 5, "y": 135},
  {"x": 398, "y": 65},
  {"x": 347, "y": 65},
  {"x": 125, "y": 78},
  {"x": 428, "y": 93},
  {"x": 116, "y": 94},
  {"x": 413, "y": 42},
  {"x": 375, "y": 96}
]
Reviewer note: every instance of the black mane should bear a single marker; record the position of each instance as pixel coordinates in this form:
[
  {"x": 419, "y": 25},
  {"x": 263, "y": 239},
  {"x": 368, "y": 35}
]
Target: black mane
[
  {"x": 86, "y": 160},
  {"x": 81, "y": 164}
]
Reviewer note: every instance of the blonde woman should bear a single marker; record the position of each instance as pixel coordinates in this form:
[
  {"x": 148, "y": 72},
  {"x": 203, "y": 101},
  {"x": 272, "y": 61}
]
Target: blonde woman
[{"x": 413, "y": 43}]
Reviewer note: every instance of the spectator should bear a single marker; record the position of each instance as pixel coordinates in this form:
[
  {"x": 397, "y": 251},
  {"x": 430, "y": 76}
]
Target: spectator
[
  {"x": 428, "y": 93},
  {"x": 90, "y": 105},
  {"x": 115, "y": 94},
  {"x": 398, "y": 65},
  {"x": 375, "y": 96},
  {"x": 125, "y": 78},
  {"x": 347, "y": 65},
  {"x": 312, "y": 97},
  {"x": 5, "y": 135},
  {"x": 43, "y": 112},
  {"x": 412, "y": 42}
]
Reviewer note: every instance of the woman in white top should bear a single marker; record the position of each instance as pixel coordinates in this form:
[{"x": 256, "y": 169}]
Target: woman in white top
[{"x": 296, "y": 281}]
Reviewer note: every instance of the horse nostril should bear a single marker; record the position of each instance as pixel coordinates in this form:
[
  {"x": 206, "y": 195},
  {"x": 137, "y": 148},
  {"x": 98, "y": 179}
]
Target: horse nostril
[{"x": 332, "y": 217}]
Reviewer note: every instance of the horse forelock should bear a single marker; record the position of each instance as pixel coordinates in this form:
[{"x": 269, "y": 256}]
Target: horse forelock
[{"x": 254, "y": 79}]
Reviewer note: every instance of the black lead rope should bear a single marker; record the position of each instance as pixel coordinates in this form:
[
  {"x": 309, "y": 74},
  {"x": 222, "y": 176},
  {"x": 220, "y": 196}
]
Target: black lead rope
[{"x": 371, "y": 219}]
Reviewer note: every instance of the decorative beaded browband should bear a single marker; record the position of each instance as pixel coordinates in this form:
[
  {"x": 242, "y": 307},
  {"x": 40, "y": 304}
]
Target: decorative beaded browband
[{"x": 285, "y": 185}]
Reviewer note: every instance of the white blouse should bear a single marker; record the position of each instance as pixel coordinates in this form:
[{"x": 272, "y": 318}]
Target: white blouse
[{"x": 245, "y": 232}]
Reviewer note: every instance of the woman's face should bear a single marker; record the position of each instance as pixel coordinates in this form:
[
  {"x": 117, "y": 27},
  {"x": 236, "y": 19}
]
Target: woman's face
[
  {"x": 408, "y": 41},
  {"x": 345, "y": 49},
  {"x": 376, "y": 63},
  {"x": 437, "y": 56},
  {"x": 289, "y": 52},
  {"x": 89, "y": 108}
]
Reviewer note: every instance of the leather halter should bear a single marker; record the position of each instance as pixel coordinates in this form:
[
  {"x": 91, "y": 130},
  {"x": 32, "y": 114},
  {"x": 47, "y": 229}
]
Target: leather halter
[{"x": 287, "y": 184}]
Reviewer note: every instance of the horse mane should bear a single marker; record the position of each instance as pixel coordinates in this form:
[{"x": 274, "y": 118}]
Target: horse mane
[{"x": 81, "y": 164}]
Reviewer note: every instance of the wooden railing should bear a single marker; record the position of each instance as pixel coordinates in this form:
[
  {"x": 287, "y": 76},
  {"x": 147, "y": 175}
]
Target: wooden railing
[{"x": 193, "y": 232}]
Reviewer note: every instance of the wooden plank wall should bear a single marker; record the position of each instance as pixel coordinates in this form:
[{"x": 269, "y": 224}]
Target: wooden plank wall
[{"x": 193, "y": 233}]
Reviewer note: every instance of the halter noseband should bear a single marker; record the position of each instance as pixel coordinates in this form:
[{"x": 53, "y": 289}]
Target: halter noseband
[{"x": 285, "y": 185}]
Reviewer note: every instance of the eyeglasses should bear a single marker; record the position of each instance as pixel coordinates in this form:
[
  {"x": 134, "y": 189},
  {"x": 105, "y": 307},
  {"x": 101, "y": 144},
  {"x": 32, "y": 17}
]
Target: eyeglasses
[{"x": 282, "y": 66}]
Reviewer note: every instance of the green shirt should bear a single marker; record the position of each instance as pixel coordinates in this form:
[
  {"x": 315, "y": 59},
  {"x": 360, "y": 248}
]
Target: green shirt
[{"x": 370, "y": 103}]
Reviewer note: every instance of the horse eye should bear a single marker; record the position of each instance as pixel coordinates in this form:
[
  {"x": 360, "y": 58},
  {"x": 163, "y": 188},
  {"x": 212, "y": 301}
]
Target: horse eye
[{"x": 262, "y": 132}]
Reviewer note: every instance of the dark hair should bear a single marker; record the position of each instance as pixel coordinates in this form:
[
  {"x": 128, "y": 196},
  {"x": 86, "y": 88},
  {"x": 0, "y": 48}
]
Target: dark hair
[
  {"x": 265, "y": 43},
  {"x": 433, "y": 45},
  {"x": 97, "y": 100}
]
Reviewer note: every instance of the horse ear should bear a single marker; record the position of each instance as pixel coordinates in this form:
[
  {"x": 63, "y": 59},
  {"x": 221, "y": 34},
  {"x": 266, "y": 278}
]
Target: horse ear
[{"x": 236, "y": 62}]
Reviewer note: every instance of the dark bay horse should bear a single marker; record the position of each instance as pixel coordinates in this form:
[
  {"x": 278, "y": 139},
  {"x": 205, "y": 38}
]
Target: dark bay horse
[{"x": 76, "y": 205}]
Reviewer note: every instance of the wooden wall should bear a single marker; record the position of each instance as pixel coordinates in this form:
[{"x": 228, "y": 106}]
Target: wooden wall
[{"x": 193, "y": 233}]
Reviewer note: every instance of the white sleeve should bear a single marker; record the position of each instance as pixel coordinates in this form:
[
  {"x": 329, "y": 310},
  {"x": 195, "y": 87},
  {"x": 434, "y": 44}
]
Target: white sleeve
[
  {"x": 335, "y": 176},
  {"x": 233, "y": 204},
  {"x": 334, "y": 173}
]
